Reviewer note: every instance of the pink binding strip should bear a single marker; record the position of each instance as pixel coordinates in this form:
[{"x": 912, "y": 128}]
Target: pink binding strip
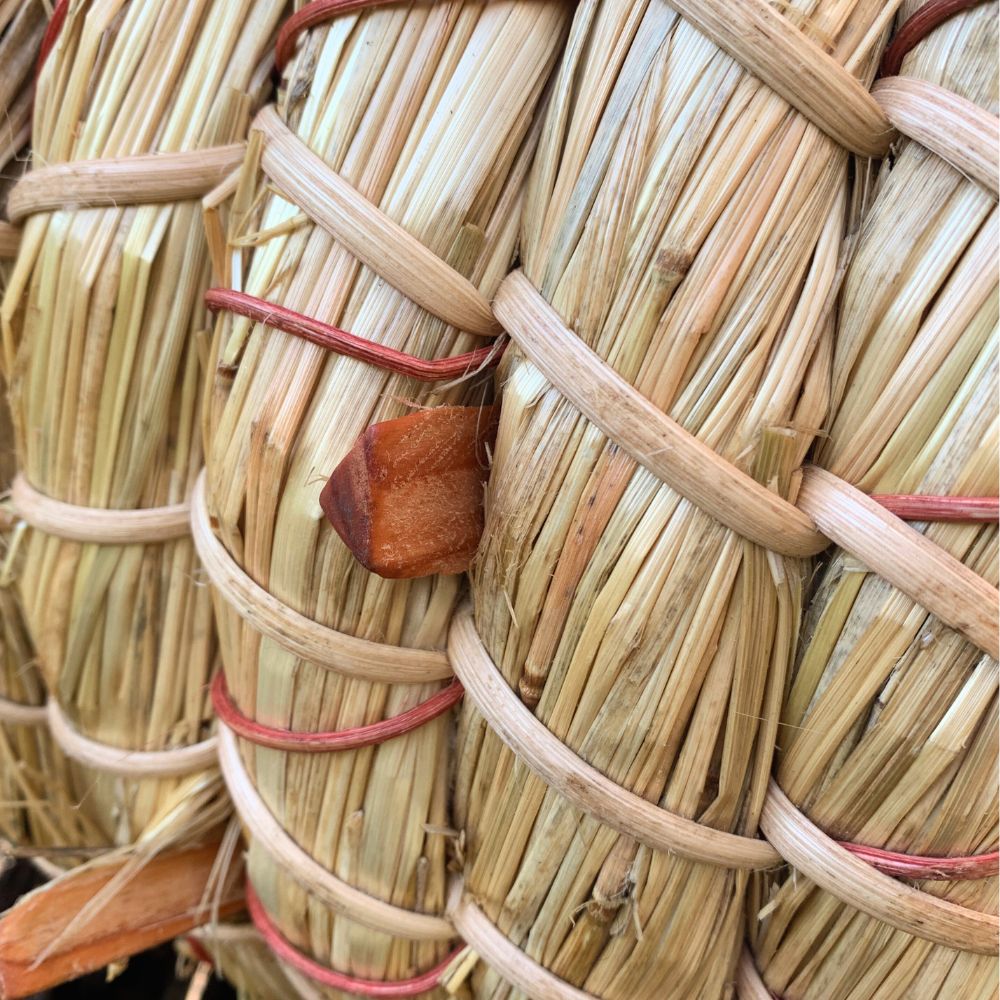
[
  {"x": 916, "y": 866},
  {"x": 347, "y": 739},
  {"x": 308, "y": 17},
  {"x": 51, "y": 34},
  {"x": 914, "y": 507},
  {"x": 339, "y": 341},
  {"x": 917, "y": 27},
  {"x": 337, "y": 980}
]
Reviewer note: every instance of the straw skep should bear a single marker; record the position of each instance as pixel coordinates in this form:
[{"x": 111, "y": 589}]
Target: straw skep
[
  {"x": 638, "y": 588},
  {"x": 37, "y": 811},
  {"x": 381, "y": 195},
  {"x": 889, "y": 725},
  {"x": 104, "y": 330}
]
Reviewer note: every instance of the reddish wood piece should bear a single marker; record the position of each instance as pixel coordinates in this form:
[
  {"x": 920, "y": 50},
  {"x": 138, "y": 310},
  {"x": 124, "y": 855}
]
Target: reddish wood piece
[
  {"x": 164, "y": 900},
  {"x": 408, "y": 498}
]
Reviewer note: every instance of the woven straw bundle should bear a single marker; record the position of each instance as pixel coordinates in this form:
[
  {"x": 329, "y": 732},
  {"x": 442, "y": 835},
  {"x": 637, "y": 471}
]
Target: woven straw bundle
[
  {"x": 889, "y": 731},
  {"x": 684, "y": 224},
  {"x": 102, "y": 325},
  {"x": 415, "y": 117},
  {"x": 36, "y": 810}
]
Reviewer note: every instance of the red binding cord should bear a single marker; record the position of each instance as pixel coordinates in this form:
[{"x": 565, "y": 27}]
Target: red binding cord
[
  {"x": 274, "y": 939},
  {"x": 916, "y": 866},
  {"x": 341, "y": 342},
  {"x": 346, "y": 739},
  {"x": 308, "y": 17},
  {"x": 51, "y": 34},
  {"x": 917, "y": 27},
  {"x": 199, "y": 951},
  {"x": 912, "y": 507}
]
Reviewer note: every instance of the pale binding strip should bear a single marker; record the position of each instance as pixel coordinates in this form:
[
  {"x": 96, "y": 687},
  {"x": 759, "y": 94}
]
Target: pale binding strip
[
  {"x": 10, "y": 240},
  {"x": 385, "y": 246},
  {"x": 99, "y": 525},
  {"x": 913, "y": 564},
  {"x": 749, "y": 984},
  {"x": 307, "y": 639},
  {"x": 309, "y": 873},
  {"x": 579, "y": 783},
  {"x": 171, "y": 763},
  {"x": 656, "y": 442},
  {"x": 502, "y": 955},
  {"x": 854, "y": 882},
  {"x": 795, "y": 67},
  {"x": 960, "y": 132},
  {"x": 19, "y": 714},
  {"x": 127, "y": 180}
]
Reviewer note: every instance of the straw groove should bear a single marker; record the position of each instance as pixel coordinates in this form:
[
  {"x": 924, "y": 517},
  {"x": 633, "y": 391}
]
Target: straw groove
[{"x": 10, "y": 240}]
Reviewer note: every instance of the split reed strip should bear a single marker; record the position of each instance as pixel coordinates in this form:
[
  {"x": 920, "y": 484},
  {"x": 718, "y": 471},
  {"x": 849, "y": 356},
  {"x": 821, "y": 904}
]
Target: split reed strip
[
  {"x": 687, "y": 224},
  {"x": 426, "y": 110},
  {"x": 36, "y": 798},
  {"x": 889, "y": 733},
  {"x": 102, "y": 322}
]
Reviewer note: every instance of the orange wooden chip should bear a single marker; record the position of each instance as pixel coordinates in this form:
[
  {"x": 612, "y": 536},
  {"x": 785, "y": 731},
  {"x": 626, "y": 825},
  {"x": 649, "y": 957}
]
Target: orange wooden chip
[{"x": 408, "y": 498}]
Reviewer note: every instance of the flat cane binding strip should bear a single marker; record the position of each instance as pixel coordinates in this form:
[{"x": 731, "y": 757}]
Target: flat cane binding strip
[
  {"x": 502, "y": 955},
  {"x": 339, "y": 896},
  {"x": 961, "y": 133},
  {"x": 586, "y": 787},
  {"x": 862, "y": 886},
  {"x": 97, "y": 525},
  {"x": 301, "y": 636},
  {"x": 17, "y": 713},
  {"x": 144, "y": 179},
  {"x": 758, "y": 37},
  {"x": 369, "y": 234},
  {"x": 171, "y": 763}
]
